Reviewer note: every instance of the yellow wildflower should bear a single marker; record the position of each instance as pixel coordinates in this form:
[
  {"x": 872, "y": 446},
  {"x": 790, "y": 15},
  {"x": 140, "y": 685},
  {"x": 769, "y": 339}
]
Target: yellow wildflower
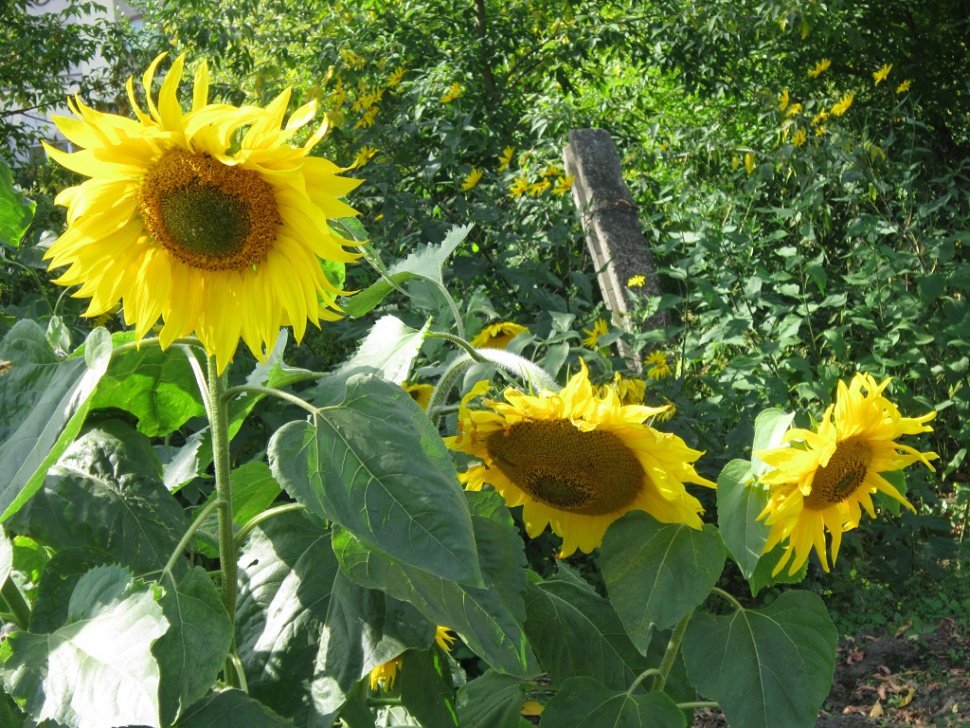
[
  {"x": 843, "y": 104},
  {"x": 472, "y": 179},
  {"x": 820, "y": 131},
  {"x": 628, "y": 389},
  {"x": 667, "y": 414},
  {"x": 749, "y": 162},
  {"x": 551, "y": 171},
  {"x": 352, "y": 59},
  {"x": 395, "y": 78},
  {"x": 783, "y": 100},
  {"x": 880, "y": 75},
  {"x": 519, "y": 187},
  {"x": 453, "y": 92},
  {"x": 659, "y": 367},
  {"x": 593, "y": 335},
  {"x": 563, "y": 185},
  {"x": 800, "y": 137},
  {"x": 505, "y": 158},
  {"x": 794, "y": 109},
  {"x": 820, "y": 117},
  {"x": 904, "y": 86},
  {"x": 367, "y": 120},
  {"x": 819, "y": 68},
  {"x": 537, "y": 188},
  {"x": 636, "y": 281}
]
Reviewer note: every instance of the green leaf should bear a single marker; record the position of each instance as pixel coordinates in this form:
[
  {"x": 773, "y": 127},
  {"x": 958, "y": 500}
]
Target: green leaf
[
  {"x": 6, "y": 556},
  {"x": 57, "y": 583},
  {"x": 574, "y": 631},
  {"x": 656, "y": 573},
  {"x": 106, "y": 492},
  {"x": 193, "y": 651},
  {"x": 231, "y": 709},
  {"x": 286, "y": 574},
  {"x": 763, "y": 578},
  {"x": 740, "y": 499},
  {"x": 491, "y": 701},
  {"x": 389, "y": 349},
  {"x": 487, "y": 625},
  {"x": 425, "y": 263},
  {"x": 253, "y": 491},
  {"x": 156, "y": 386},
  {"x": 16, "y": 212},
  {"x": 97, "y": 669},
  {"x": 43, "y": 402},
  {"x": 769, "y": 430},
  {"x": 364, "y": 628},
  {"x": 765, "y": 667},
  {"x": 377, "y": 466},
  {"x": 582, "y": 702},
  {"x": 426, "y": 689}
]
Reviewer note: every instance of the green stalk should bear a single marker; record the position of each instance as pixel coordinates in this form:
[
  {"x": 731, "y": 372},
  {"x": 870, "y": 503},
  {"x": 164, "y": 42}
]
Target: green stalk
[
  {"x": 218, "y": 412},
  {"x": 673, "y": 648},
  {"x": 10, "y": 593}
]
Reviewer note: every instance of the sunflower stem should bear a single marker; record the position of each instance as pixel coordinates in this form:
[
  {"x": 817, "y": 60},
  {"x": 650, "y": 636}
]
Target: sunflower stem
[
  {"x": 698, "y": 704},
  {"x": 641, "y": 677},
  {"x": 218, "y": 412},
  {"x": 673, "y": 649},
  {"x": 184, "y": 543},
  {"x": 272, "y": 392},
  {"x": 266, "y": 515},
  {"x": 729, "y": 597}
]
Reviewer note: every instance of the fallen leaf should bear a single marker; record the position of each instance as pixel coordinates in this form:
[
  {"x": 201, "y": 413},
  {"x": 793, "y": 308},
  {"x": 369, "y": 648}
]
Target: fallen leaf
[
  {"x": 908, "y": 697},
  {"x": 877, "y": 711}
]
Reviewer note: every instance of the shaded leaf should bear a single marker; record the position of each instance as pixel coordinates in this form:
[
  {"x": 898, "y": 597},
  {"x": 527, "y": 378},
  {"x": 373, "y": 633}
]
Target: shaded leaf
[
  {"x": 57, "y": 583},
  {"x": 582, "y": 702},
  {"x": 765, "y": 667},
  {"x": 426, "y": 689},
  {"x": 491, "y": 701},
  {"x": 231, "y": 709}
]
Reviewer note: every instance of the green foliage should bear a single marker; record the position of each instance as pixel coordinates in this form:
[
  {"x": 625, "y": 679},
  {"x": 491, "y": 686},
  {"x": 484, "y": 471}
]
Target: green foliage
[{"x": 582, "y": 701}]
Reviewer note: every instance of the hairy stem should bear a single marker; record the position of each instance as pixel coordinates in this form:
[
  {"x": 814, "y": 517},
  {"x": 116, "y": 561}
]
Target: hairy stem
[{"x": 673, "y": 649}]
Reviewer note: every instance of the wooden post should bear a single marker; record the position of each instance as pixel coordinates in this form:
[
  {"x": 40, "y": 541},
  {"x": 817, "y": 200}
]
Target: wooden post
[{"x": 612, "y": 228}]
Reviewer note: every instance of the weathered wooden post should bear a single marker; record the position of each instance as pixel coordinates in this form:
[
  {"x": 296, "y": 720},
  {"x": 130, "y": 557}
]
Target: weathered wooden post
[{"x": 612, "y": 228}]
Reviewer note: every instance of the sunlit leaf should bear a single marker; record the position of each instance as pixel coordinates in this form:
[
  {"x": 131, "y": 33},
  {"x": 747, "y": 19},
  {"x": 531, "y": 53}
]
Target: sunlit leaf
[{"x": 740, "y": 499}]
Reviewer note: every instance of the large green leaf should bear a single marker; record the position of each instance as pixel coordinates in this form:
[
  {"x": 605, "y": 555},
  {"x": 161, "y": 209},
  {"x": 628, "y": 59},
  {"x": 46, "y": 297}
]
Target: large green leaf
[
  {"x": 231, "y": 709},
  {"x": 765, "y": 667},
  {"x": 364, "y": 628},
  {"x": 426, "y": 689},
  {"x": 97, "y": 669},
  {"x": 43, "y": 402},
  {"x": 193, "y": 651},
  {"x": 425, "y": 263},
  {"x": 106, "y": 492},
  {"x": 574, "y": 631},
  {"x": 389, "y": 349},
  {"x": 492, "y": 701},
  {"x": 16, "y": 212},
  {"x": 57, "y": 582},
  {"x": 656, "y": 572},
  {"x": 286, "y": 574},
  {"x": 156, "y": 386},
  {"x": 740, "y": 499},
  {"x": 376, "y": 465},
  {"x": 479, "y": 614},
  {"x": 582, "y": 702}
]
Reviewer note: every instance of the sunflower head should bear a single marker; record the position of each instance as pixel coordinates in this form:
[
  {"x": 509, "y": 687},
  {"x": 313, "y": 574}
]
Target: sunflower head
[
  {"x": 823, "y": 479},
  {"x": 383, "y": 676},
  {"x": 577, "y": 460},
  {"x": 209, "y": 219},
  {"x": 498, "y": 335}
]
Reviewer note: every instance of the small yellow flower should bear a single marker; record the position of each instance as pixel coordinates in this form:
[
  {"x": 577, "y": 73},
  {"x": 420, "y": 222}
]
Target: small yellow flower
[
  {"x": 551, "y": 171},
  {"x": 453, "y": 92},
  {"x": 444, "y": 638},
  {"x": 519, "y": 187},
  {"x": 383, "y": 676},
  {"x": 749, "y": 162},
  {"x": 843, "y": 104},
  {"x": 628, "y": 389},
  {"x": 880, "y": 75},
  {"x": 472, "y": 179},
  {"x": 904, "y": 86},
  {"x": 820, "y": 131},
  {"x": 395, "y": 78},
  {"x": 593, "y": 335},
  {"x": 799, "y": 138},
  {"x": 537, "y": 188},
  {"x": 352, "y": 59},
  {"x": 367, "y": 120},
  {"x": 819, "y": 68},
  {"x": 667, "y": 414},
  {"x": 364, "y": 155},
  {"x": 820, "y": 117},
  {"x": 564, "y": 184},
  {"x": 783, "y": 100},
  {"x": 794, "y": 109},
  {"x": 505, "y": 158},
  {"x": 636, "y": 281},
  {"x": 735, "y": 161},
  {"x": 659, "y": 367}
]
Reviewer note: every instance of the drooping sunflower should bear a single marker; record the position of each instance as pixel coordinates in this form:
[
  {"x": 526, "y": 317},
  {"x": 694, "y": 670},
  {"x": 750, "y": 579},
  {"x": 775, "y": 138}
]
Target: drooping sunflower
[
  {"x": 208, "y": 219},
  {"x": 420, "y": 393},
  {"x": 577, "y": 460},
  {"x": 498, "y": 336},
  {"x": 825, "y": 478}
]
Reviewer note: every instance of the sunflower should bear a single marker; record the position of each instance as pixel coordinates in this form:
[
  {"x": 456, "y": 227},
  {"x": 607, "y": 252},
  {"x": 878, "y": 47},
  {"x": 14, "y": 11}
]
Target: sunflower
[
  {"x": 577, "y": 460},
  {"x": 823, "y": 481},
  {"x": 208, "y": 219},
  {"x": 383, "y": 676},
  {"x": 420, "y": 393},
  {"x": 498, "y": 336}
]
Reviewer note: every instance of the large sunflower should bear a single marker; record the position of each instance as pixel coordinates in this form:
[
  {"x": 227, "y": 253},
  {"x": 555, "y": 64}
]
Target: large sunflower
[
  {"x": 827, "y": 477},
  {"x": 577, "y": 461},
  {"x": 208, "y": 219}
]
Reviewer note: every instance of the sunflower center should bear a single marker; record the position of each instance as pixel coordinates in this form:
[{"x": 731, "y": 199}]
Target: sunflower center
[
  {"x": 591, "y": 473},
  {"x": 207, "y": 214},
  {"x": 845, "y": 472}
]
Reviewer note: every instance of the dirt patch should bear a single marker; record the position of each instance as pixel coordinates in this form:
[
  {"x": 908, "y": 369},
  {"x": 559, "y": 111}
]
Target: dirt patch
[{"x": 894, "y": 680}]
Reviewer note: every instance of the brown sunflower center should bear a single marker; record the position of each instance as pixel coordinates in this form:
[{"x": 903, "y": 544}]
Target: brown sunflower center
[
  {"x": 207, "y": 214},
  {"x": 581, "y": 472},
  {"x": 845, "y": 472}
]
